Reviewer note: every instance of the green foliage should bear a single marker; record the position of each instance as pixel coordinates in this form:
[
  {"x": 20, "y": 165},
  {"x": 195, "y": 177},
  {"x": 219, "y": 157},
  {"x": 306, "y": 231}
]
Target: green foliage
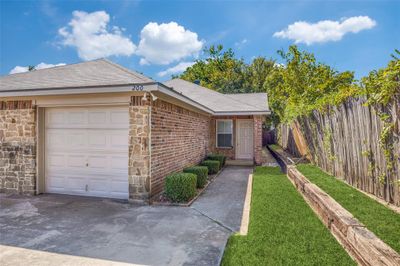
[
  {"x": 382, "y": 88},
  {"x": 213, "y": 166},
  {"x": 384, "y": 84},
  {"x": 221, "y": 71},
  {"x": 180, "y": 187},
  {"x": 201, "y": 172},
  {"x": 303, "y": 85},
  {"x": 381, "y": 220},
  {"x": 283, "y": 229},
  {"x": 217, "y": 157}
]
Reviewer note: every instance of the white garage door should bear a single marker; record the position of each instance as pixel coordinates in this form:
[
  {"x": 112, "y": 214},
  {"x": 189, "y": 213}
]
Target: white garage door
[{"x": 87, "y": 151}]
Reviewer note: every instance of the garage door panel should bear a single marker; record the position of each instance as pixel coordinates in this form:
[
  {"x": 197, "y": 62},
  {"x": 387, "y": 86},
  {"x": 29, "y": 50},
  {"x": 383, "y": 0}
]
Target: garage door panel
[
  {"x": 119, "y": 188},
  {"x": 55, "y": 160},
  {"x": 77, "y": 117},
  {"x": 75, "y": 138},
  {"x": 76, "y": 183},
  {"x": 119, "y": 118},
  {"x": 87, "y": 151},
  {"x": 76, "y": 161},
  {"x": 54, "y": 139},
  {"x": 57, "y": 182},
  {"x": 118, "y": 140},
  {"x": 98, "y": 139},
  {"x": 99, "y": 162},
  {"x": 119, "y": 163},
  {"x": 98, "y": 117}
]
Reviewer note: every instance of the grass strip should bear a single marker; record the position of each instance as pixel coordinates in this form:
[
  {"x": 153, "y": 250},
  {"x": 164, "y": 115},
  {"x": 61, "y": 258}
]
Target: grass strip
[
  {"x": 382, "y": 221},
  {"x": 283, "y": 229}
]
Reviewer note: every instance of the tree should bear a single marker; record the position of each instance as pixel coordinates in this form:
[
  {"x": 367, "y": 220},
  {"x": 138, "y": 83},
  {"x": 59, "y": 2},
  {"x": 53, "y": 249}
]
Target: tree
[
  {"x": 256, "y": 74},
  {"x": 219, "y": 71},
  {"x": 303, "y": 85}
]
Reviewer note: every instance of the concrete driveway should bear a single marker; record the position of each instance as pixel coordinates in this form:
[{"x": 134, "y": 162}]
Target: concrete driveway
[{"x": 69, "y": 230}]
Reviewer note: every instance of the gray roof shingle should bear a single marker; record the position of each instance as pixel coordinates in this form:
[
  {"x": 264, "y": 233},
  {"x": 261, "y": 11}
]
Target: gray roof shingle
[
  {"x": 94, "y": 73},
  {"x": 218, "y": 102}
]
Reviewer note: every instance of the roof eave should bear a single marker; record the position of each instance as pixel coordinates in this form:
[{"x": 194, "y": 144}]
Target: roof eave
[
  {"x": 238, "y": 113},
  {"x": 149, "y": 86},
  {"x": 170, "y": 92}
]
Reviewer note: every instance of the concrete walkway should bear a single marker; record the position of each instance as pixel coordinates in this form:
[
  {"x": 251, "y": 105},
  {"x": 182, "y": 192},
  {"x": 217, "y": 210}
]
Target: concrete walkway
[
  {"x": 69, "y": 230},
  {"x": 223, "y": 200}
]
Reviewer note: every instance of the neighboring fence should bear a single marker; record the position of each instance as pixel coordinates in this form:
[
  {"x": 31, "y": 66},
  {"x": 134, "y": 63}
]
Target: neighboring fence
[
  {"x": 345, "y": 143},
  {"x": 268, "y": 137}
]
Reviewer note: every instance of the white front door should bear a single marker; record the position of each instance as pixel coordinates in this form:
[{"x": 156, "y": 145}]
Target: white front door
[
  {"x": 86, "y": 151},
  {"x": 244, "y": 139}
]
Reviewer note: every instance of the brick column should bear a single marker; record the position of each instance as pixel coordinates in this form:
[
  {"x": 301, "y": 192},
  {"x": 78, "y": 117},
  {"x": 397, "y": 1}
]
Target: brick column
[
  {"x": 139, "y": 149},
  {"x": 257, "y": 122}
]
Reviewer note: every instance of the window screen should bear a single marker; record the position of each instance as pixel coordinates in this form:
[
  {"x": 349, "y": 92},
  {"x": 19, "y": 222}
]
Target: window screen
[{"x": 224, "y": 133}]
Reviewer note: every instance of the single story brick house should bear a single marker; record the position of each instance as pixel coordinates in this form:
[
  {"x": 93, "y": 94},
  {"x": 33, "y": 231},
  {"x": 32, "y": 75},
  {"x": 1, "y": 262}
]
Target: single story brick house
[{"x": 98, "y": 129}]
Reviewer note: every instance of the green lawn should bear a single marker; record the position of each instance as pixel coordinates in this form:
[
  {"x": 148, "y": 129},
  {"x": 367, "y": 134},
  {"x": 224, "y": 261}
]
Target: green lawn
[
  {"x": 283, "y": 229},
  {"x": 275, "y": 147},
  {"x": 382, "y": 221}
]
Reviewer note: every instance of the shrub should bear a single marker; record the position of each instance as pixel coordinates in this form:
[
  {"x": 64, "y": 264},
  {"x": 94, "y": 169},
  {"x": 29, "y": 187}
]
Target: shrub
[
  {"x": 213, "y": 166},
  {"x": 180, "y": 187},
  {"x": 201, "y": 172},
  {"x": 217, "y": 157}
]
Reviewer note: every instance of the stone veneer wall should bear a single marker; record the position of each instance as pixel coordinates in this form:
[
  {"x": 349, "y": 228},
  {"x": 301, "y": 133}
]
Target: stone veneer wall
[
  {"x": 139, "y": 150},
  {"x": 17, "y": 147},
  {"x": 179, "y": 138}
]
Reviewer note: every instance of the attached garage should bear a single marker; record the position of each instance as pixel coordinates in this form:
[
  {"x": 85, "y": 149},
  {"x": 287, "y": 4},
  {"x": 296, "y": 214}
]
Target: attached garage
[
  {"x": 86, "y": 151},
  {"x": 98, "y": 129}
]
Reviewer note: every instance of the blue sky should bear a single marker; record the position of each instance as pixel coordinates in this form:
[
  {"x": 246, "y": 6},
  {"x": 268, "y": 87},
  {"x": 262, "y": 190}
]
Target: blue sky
[{"x": 159, "y": 38}]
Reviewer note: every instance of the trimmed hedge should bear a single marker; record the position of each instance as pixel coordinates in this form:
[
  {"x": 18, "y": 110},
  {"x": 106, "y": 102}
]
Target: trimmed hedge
[
  {"x": 180, "y": 187},
  {"x": 213, "y": 166},
  {"x": 217, "y": 157},
  {"x": 201, "y": 172}
]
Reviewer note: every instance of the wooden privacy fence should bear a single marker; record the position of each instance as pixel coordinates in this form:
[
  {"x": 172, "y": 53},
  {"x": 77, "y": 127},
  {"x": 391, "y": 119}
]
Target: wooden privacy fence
[{"x": 345, "y": 142}]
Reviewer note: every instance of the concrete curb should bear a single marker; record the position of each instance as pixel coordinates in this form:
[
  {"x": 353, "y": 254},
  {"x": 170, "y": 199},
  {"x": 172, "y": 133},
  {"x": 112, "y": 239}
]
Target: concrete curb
[{"x": 244, "y": 227}]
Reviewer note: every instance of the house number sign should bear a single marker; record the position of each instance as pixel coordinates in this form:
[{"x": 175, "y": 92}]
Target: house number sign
[{"x": 138, "y": 87}]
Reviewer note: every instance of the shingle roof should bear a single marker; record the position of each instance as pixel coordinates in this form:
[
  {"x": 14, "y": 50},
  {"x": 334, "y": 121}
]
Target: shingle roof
[
  {"x": 95, "y": 73},
  {"x": 218, "y": 102}
]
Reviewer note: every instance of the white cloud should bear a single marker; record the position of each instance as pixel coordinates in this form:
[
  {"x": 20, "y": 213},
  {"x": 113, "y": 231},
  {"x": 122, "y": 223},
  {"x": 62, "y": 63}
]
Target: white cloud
[
  {"x": 325, "y": 30},
  {"x": 241, "y": 43},
  {"x": 90, "y": 34},
  {"x": 166, "y": 43},
  {"x": 21, "y": 69},
  {"x": 176, "y": 69}
]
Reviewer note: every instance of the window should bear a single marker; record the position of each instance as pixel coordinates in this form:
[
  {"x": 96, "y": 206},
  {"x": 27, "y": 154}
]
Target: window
[{"x": 224, "y": 133}]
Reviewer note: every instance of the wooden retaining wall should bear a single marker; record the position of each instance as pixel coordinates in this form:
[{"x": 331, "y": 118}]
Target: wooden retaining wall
[
  {"x": 345, "y": 143},
  {"x": 359, "y": 242}
]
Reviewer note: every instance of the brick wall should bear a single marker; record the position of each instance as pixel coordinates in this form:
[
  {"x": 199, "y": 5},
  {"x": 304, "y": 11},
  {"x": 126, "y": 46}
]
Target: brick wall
[
  {"x": 17, "y": 147},
  {"x": 179, "y": 138},
  {"x": 229, "y": 152}
]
